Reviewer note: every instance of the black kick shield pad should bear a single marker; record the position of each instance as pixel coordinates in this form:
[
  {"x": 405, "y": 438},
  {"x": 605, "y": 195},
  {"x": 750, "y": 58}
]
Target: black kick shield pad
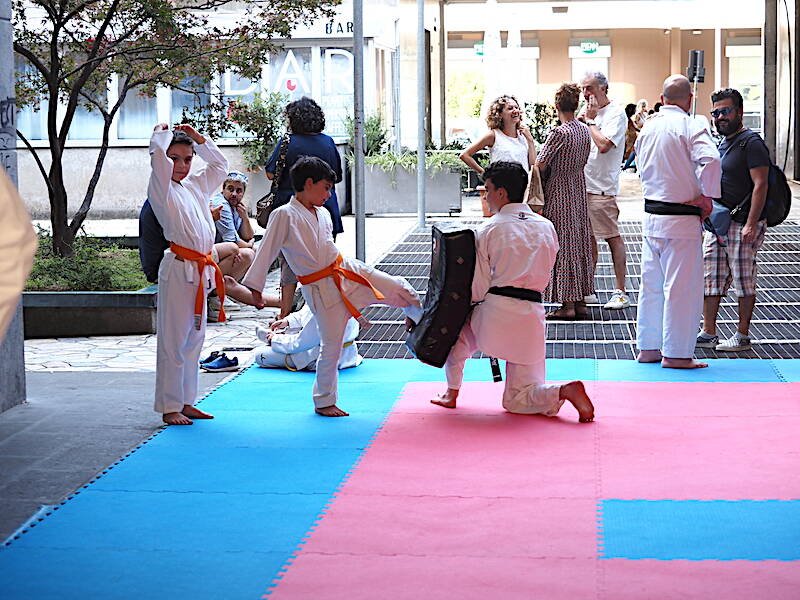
[{"x": 449, "y": 296}]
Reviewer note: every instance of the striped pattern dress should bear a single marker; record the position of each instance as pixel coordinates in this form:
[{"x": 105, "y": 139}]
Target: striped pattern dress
[{"x": 566, "y": 152}]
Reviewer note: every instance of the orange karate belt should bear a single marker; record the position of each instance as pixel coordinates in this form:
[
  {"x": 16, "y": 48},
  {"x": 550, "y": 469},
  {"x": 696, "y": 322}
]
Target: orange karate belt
[
  {"x": 336, "y": 271},
  {"x": 202, "y": 261}
]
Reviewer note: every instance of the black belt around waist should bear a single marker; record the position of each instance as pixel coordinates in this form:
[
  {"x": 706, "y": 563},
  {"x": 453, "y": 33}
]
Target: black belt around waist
[
  {"x": 515, "y": 292},
  {"x": 656, "y": 207}
]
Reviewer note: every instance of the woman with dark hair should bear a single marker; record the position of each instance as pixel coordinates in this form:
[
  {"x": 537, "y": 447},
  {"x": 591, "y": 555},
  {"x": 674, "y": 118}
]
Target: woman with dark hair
[
  {"x": 306, "y": 122},
  {"x": 630, "y": 137},
  {"x": 561, "y": 163}
]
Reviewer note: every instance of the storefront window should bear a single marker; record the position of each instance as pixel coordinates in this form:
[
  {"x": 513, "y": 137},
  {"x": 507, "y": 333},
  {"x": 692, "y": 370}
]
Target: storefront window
[
  {"x": 237, "y": 89},
  {"x": 87, "y": 124},
  {"x": 32, "y": 120},
  {"x": 745, "y": 74},
  {"x": 337, "y": 89},
  {"x": 184, "y": 99}
]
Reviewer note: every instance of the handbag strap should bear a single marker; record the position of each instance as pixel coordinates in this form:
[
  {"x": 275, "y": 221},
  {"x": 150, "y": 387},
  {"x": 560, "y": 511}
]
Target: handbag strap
[{"x": 281, "y": 164}]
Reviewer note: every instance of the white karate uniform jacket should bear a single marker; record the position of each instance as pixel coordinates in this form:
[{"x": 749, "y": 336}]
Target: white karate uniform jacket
[
  {"x": 515, "y": 248},
  {"x": 298, "y": 347},
  {"x": 17, "y": 247},
  {"x": 306, "y": 240},
  {"x": 182, "y": 209}
]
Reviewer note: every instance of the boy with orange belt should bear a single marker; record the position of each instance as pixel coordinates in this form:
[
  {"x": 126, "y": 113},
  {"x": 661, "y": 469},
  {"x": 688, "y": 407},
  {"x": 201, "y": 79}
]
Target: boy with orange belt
[
  {"x": 187, "y": 273},
  {"x": 335, "y": 288}
]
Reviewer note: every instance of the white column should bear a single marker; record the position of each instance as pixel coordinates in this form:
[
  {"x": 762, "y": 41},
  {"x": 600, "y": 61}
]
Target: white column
[{"x": 718, "y": 54}]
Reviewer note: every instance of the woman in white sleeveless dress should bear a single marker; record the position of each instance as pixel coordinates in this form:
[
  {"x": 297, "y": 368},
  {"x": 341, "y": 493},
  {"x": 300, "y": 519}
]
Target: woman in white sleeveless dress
[{"x": 507, "y": 139}]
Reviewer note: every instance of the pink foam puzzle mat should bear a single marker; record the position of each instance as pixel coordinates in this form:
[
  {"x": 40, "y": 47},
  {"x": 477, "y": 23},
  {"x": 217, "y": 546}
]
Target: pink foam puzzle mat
[{"x": 677, "y": 490}]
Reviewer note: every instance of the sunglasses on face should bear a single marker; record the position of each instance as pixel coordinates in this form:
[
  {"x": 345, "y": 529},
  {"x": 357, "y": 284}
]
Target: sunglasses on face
[{"x": 722, "y": 112}]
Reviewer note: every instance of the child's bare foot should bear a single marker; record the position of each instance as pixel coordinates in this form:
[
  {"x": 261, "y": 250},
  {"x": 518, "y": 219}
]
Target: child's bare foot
[
  {"x": 575, "y": 393},
  {"x": 447, "y": 400},
  {"x": 195, "y": 413},
  {"x": 682, "y": 363},
  {"x": 331, "y": 411},
  {"x": 649, "y": 356},
  {"x": 176, "y": 418}
]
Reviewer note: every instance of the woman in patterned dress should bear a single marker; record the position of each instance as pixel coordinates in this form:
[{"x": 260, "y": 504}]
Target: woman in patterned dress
[{"x": 561, "y": 163}]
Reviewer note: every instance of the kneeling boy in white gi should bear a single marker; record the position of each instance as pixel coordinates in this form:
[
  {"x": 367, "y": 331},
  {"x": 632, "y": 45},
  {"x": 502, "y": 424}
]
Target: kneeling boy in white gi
[
  {"x": 515, "y": 252},
  {"x": 293, "y": 343},
  {"x": 335, "y": 288}
]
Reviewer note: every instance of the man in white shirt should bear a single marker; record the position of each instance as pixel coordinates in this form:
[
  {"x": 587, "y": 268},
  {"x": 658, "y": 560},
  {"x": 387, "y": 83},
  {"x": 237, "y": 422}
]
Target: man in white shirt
[
  {"x": 515, "y": 252},
  {"x": 607, "y": 124},
  {"x": 680, "y": 170}
]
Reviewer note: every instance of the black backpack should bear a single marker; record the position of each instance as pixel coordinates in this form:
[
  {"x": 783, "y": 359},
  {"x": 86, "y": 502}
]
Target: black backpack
[{"x": 779, "y": 196}]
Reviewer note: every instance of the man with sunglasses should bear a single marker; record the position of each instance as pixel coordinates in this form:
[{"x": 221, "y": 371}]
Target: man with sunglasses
[{"x": 745, "y": 173}]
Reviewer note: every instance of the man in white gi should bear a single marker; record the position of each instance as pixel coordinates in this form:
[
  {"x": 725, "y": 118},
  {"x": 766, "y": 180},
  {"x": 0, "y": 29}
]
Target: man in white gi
[
  {"x": 293, "y": 343},
  {"x": 515, "y": 252},
  {"x": 187, "y": 272},
  {"x": 607, "y": 124},
  {"x": 680, "y": 170},
  {"x": 335, "y": 288},
  {"x": 17, "y": 247}
]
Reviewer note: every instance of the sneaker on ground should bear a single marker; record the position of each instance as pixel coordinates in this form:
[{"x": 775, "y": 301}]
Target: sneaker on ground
[
  {"x": 222, "y": 363},
  {"x": 261, "y": 333},
  {"x": 213, "y": 303},
  {"x": 591, "y": 299},
  {"x": 618, "y": 301},
  {"x": 212, "y": 316},
  {"x": 705, "y": 340},
  {"x": 231, "y": 305},
  {"x": 209, "y": 358},
  {"x": 736, "y": 343}
]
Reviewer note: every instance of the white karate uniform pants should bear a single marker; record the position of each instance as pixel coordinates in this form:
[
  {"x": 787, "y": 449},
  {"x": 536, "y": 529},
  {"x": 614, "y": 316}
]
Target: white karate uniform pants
[
  {"x": 525, "y": 392},
  {"x": 178, "y": 343},
  {"x": 670, "y": 296},
  {"x": 331, "y": 323},
  {"x": 269, "y": 359}
]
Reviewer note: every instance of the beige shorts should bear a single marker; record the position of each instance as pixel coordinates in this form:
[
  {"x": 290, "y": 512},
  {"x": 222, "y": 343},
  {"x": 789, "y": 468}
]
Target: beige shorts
[
  {"x": 603, "y": 215},
  {"x": 215, "y": 254}
]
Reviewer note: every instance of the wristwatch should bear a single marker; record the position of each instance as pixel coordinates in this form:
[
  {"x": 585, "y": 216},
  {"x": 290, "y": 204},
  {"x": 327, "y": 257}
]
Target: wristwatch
[{"x": 589, "y": 123}]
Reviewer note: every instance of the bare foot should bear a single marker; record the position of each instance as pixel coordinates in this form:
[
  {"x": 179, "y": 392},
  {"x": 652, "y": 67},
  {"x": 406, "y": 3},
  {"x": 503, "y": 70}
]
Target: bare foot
[
  {"x": 682, "y": 363},
  {"x": 575, "y": 393},
  {"x": 649, "y": 356},
  {"x": 331, "y": 411},
  {"x": 195, "y": 413},
  {"x": 176, "y": 418},
  {"x": 447, "y": 400}
]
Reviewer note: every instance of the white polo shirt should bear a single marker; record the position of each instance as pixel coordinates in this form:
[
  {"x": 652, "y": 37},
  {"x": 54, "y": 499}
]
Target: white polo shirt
[{"x": 602, "y": 170}]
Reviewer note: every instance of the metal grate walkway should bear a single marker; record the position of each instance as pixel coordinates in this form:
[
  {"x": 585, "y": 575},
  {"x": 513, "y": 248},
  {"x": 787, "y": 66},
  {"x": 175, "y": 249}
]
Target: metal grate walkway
[{"x": 775, "y": 327}]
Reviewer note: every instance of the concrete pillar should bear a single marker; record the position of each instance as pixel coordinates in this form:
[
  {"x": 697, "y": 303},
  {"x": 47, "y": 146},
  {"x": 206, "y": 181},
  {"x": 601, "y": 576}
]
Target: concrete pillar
[
  {"x": 770, "y": 73},
  {"x": 675, "y": 54},
  {"x": 12, "y": 358},
  {"x": 442, "y": 76}
]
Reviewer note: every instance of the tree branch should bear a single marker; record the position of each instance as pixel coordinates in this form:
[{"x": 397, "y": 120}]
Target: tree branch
[
  {"x": 33, "y": 59},
  {"x": 36, "y": 158}
]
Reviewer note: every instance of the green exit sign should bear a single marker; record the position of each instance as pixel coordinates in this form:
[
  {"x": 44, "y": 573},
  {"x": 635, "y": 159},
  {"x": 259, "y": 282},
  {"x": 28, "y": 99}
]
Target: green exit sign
[{"x": 589, "y": 46}]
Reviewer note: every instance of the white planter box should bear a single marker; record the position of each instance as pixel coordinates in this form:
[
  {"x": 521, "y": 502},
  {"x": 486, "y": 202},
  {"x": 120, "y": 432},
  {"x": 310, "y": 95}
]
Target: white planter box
[{"x": 397, "y": 192}]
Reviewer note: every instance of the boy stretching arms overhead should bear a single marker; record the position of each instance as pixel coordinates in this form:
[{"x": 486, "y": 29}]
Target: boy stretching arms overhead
[
  {"x": 187, "y": 272},
  {"x": 335, "y": 288},
  {"x": 515, "y": 252}
]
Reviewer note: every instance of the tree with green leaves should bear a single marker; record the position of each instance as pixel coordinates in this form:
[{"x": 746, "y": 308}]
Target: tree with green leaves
[{"x": 72, "y": 48}]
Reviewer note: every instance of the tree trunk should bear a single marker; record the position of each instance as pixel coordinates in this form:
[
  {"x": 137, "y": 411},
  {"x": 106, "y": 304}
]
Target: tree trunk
[{"x": 63, "y": 236}]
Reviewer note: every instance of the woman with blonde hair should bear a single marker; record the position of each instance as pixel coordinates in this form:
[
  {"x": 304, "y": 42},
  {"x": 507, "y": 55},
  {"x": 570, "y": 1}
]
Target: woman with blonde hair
[
  {"x": 641, "y": 114},
  {"x": 507, "y": 139},
  {"x": 561, "y": 163}
]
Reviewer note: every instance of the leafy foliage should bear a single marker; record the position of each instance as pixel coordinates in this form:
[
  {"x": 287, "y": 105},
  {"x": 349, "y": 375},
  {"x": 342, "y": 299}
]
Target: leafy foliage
[
  {"x": 375, "y": 133},
  {"x": 95, "y": 266},
  {"x": 465, "y": 91},
  {"x": 541, "y": 118},
  {"x": 71, "y": 48}
]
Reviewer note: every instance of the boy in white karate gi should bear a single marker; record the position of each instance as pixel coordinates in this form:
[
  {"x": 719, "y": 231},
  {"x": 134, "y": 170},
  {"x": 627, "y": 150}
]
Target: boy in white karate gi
[
  {"x": 187, "y": 272},
  {"x": 293, "y": 343},
  {"x": 335, "y": 288},
  {"x": 515, "y": 252}
]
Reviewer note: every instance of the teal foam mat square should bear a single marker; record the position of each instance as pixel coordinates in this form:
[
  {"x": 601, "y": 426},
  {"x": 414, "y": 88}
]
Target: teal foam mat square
[{"x": 700, "y": 529}]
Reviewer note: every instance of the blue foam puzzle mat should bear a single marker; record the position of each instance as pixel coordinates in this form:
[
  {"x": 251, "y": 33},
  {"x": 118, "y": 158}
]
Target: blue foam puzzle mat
[
  {"x": 700, "y": 530},
  {"x": 789, "y": 368},
  {"x": 82, "y": 574},
  {"x": 226, "y": 522},
  {"x": 720, "y": 370}
]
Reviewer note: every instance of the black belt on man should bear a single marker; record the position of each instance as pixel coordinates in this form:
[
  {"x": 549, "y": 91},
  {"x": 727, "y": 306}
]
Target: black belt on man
[
  {"x": 656, "y": 207},
  {"x": 515, "y": 292}
]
